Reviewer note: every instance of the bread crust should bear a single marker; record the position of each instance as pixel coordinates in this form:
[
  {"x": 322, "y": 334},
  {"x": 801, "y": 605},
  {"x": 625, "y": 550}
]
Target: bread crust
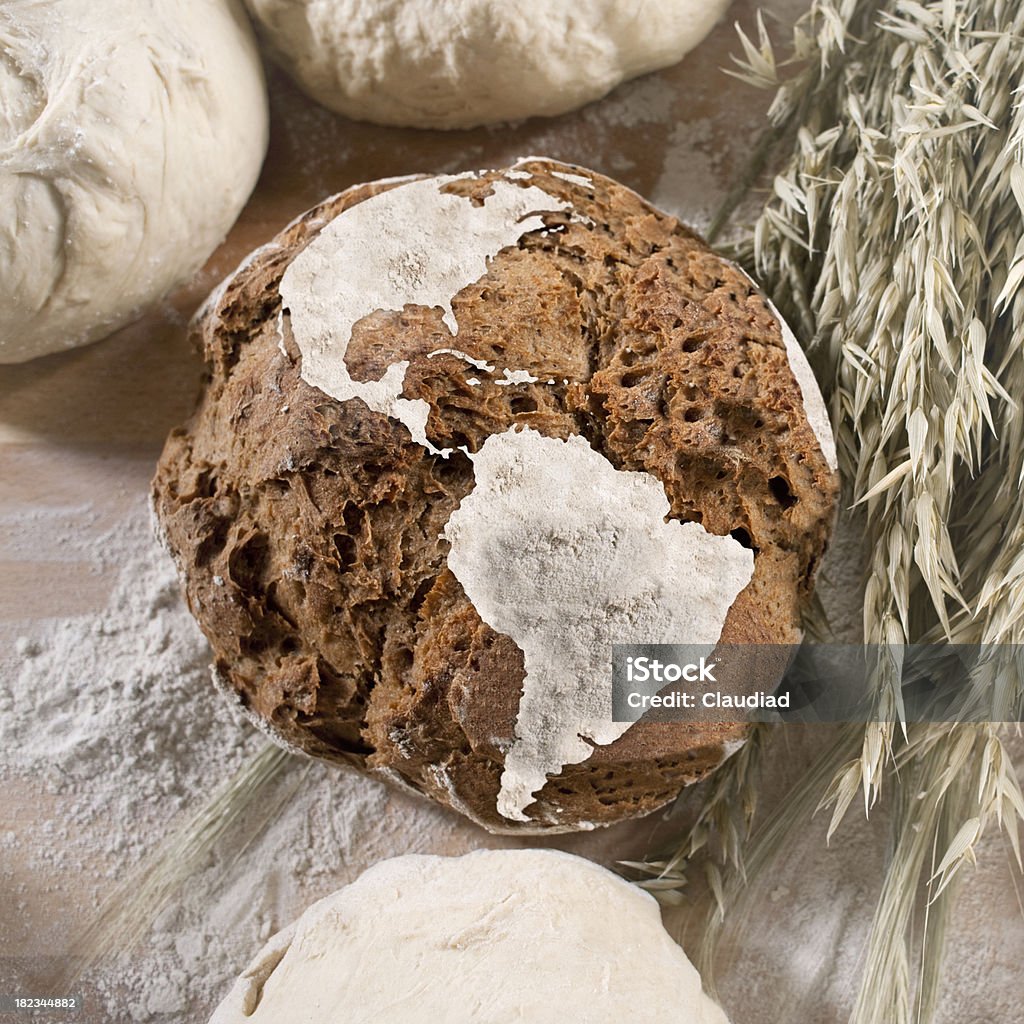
[{"x": 309, "y": 532}]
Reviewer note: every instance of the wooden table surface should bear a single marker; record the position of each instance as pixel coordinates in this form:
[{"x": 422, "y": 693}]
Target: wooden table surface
[{"x": 82, "y": 430}]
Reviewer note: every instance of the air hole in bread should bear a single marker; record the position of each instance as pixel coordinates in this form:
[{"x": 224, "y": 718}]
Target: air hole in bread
[
  {"x": 523, "y": 404},
  {"x": 247, "y": 562},
  {"x": 741, "y": 535},
  {"x": 345, "y": 547},
  {"x": 779, "y": 486},
  {"x": 420, "y": 594}
]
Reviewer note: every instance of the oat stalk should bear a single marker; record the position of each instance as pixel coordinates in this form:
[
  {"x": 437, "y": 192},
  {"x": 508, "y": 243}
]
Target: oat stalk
[
  {"x": 723, "y": 820},
  {"x": 893, "y": 240},
  {"x": 128, "y": 912}
]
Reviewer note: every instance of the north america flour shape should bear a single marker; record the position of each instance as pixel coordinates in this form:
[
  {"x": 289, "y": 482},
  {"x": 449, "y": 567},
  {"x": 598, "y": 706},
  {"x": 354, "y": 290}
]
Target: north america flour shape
[{"x": 411, "y": 245}]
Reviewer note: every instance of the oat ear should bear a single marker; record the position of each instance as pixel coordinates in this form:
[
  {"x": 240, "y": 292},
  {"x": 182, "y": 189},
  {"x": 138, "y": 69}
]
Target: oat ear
[
  {"x": 128, "y": 912},
  {"x": 891, "y": 239}
]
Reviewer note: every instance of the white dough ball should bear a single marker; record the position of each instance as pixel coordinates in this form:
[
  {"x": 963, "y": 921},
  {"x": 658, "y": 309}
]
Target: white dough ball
[
  {"x": 131, "y": 134},
  {"x": 460, "y": 63},
  {"x": 493, "y": 937}
]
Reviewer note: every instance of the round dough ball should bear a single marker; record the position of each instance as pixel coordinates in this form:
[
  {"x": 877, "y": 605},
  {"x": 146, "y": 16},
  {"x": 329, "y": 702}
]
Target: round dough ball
[
  {"x": 422, "y": 64},
  {"x": 461, "y": 434},
  {"x": 491, "y": 937},
  {"x": 131, "y": 134}
]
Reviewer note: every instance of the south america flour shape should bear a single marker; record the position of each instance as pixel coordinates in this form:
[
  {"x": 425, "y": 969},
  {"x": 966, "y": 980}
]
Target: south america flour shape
[{"x": 567, "y": 555}]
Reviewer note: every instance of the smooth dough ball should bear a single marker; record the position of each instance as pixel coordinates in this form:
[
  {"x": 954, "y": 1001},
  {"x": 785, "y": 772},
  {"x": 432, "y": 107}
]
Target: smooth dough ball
[
  {"x": 494, "y": 937},
  {"x": 131, "y": 134},
  {"x": 421, "y": 64}
]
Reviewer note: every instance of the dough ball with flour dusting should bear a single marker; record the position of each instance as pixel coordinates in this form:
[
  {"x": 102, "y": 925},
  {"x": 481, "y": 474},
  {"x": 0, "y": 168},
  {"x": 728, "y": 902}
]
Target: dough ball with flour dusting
[
  {"x": 131, "y": 134},
  {"x": 462, "y": 434},
  {"x": 422, "y": 64},
  {"x": 492, "y": 937}
]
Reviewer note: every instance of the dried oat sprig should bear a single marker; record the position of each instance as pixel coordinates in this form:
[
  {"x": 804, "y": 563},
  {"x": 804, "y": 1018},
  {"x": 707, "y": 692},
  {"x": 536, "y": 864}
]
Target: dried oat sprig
[
  {"x": 129, "y": 910},
  {"x": 953, "y": 781},
  {"x": 895, "y": 236},
  {"x": 892, "y": 237},
  {"x": 724, "y": 819},
  {"x": 894, "y": 240}
]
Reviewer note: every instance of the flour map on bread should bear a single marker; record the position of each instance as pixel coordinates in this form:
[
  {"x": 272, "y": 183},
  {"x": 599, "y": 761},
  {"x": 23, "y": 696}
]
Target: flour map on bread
[
  {"x": 462, "y": 434},
  {"x": 554, "y": 546}
]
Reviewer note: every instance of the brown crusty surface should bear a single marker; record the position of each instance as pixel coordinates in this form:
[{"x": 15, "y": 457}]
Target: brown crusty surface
[{"x": 308, "y": 532}]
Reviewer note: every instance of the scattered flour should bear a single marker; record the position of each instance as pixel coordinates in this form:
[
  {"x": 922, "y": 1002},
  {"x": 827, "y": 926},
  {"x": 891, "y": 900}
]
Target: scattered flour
[
  {"x": 691, "y": 185},
  {"x": 111, "y": 735}
]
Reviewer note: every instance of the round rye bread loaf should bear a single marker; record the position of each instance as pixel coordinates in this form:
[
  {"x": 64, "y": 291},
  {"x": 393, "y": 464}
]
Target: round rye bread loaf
[{"x": 461, "y": 434}]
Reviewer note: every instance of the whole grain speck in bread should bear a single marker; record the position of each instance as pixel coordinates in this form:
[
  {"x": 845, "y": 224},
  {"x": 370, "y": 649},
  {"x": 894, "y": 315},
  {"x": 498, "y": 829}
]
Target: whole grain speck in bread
[{"x": 407, "y": 342}]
